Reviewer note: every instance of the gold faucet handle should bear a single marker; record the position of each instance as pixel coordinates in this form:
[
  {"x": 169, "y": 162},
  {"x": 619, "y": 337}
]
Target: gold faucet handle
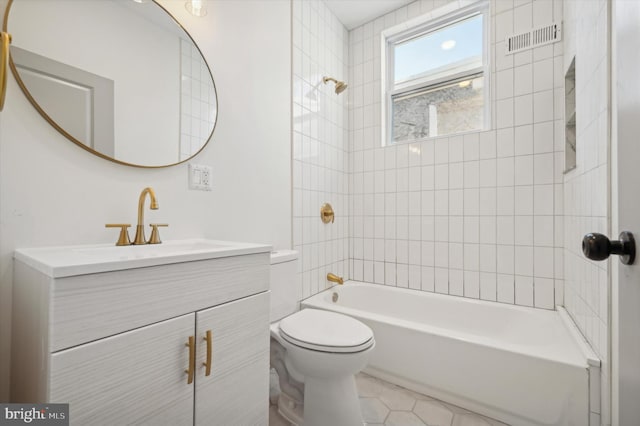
[
  {"x": 155, "y": 234},
  {"x": 326, "y": 213},
  {"x": 123, "y": 239}
]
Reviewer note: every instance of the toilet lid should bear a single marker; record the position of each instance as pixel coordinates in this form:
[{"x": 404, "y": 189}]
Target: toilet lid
[{"x": 326, "y": 331}]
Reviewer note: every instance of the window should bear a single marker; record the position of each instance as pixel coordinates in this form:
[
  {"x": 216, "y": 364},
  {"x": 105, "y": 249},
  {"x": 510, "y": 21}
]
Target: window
[{"x": 435, "y": 80}]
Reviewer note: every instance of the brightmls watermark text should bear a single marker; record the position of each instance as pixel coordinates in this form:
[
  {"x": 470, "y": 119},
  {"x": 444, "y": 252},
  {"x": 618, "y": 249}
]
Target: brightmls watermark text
[{"x": 34, "y": 414}]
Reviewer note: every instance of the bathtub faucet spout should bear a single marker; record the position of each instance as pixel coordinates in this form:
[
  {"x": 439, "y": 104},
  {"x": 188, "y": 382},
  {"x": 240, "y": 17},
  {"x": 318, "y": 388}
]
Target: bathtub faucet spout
[{"x": 334, "y": 278}]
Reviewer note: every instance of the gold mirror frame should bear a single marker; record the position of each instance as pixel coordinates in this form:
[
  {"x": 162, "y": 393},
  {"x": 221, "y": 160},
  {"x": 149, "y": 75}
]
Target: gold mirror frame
[
  {"x": 55, "y": 125},
  {"x": 5, "y": 40}
]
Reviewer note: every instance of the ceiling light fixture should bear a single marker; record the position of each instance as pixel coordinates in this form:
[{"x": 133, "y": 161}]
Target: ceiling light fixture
[
  {"x": 448, "y": 45},
  {"x": 196, "y": 8}
]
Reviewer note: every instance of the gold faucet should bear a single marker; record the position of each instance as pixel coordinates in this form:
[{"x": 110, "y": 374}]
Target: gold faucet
[
  {"x": 140, "y": 239},
  {"x": 334, "y": 278}
]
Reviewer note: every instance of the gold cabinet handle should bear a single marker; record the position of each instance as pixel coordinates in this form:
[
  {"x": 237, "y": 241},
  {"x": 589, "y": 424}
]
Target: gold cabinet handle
[
  {"x": 209, "y": 339},
  {"x": 192, "y": 359},
  {"x": 155, "y": 234},
  {"x": 5, "y": 40},
  {"x": 123, "y": 239}
]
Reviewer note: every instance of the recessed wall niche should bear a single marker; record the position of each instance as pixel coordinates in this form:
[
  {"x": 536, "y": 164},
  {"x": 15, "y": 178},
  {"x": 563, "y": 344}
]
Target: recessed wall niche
[{"x": 570, "y": 117}]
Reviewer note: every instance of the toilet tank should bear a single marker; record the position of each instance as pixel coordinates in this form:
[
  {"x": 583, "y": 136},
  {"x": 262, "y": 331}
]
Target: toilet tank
[{"x": 286, "y": 291}]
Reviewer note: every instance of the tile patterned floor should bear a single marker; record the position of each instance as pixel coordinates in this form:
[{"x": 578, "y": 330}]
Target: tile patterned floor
[{"x": 385, "y": 404}]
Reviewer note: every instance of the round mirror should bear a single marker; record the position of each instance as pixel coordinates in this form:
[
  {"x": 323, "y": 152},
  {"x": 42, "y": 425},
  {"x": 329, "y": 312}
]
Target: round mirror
[{"x": 120, "y": 78}]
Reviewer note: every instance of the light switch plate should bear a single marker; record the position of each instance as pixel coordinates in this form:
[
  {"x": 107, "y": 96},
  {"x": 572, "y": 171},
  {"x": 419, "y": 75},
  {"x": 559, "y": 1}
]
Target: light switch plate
[{"x": 200, "y": 177}]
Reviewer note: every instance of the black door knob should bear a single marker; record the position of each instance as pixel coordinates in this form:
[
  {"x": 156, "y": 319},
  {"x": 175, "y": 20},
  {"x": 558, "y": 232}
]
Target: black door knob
[{"x": 599, "y": 247}]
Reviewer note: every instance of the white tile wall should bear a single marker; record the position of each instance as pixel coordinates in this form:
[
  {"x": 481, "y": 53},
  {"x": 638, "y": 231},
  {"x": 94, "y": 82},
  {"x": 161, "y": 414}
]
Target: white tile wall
[
  {"x": 198, "y": 104},
  {"x": 473, "y": 215},
  {"x": 320, "y": 155},
  {"x": 586, "y": 194},
  {"x": 482, "y": 215}
]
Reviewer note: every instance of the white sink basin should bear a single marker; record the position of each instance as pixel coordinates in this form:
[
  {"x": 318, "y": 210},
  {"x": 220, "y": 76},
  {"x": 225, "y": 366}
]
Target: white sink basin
[
  {"x": 90, "y": 259},
  {"x": 173, "y": 248}
]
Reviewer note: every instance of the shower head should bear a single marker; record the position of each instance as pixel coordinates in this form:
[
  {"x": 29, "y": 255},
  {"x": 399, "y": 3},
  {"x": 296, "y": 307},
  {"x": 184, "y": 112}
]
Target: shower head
[{"x": 341, "y": 86}]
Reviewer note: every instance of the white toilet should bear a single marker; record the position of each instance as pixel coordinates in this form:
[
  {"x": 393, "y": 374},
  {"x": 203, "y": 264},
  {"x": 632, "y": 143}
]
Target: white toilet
[{"x": 316, "y": 354}]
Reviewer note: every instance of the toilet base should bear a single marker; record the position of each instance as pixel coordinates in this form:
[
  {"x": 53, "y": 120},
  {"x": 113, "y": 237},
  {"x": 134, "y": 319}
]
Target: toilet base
[
  {"x": 290, "y": 410},
  {"x": 332, "y": 402}
]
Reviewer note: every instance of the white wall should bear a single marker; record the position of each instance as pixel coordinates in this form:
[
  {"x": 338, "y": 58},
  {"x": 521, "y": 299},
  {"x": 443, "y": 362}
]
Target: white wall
[
  {"x": 478, "y": 215},
  {"x": 54, "y": 193},
  {"x": 587, "y": 295},
  {"x": 320, "y": 154}
]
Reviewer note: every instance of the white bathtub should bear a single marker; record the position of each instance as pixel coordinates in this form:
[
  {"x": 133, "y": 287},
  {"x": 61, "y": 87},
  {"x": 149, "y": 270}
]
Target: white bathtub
[{"x": 520, "y": 365}]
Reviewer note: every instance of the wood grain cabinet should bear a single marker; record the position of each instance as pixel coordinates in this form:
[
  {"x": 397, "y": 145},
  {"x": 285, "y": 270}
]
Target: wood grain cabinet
[{"x": 134, "y": 369}]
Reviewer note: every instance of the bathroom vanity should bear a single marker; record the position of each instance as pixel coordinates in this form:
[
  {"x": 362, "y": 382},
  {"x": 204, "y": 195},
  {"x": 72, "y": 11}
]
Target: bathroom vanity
[{"x": 176, "y": 333}]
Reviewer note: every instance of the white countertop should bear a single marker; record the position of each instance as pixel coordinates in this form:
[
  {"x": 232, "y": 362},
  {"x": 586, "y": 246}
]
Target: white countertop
[{"x": 68, "y": 261}]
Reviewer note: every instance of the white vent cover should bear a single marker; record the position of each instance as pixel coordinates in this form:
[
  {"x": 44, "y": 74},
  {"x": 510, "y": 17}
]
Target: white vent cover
[{"x": 534, "y": 38}]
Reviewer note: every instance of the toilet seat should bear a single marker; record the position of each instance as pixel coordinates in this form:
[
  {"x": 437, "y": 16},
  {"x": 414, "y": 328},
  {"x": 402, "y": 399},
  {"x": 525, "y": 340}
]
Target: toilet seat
[{"x": 326, "y": 331}]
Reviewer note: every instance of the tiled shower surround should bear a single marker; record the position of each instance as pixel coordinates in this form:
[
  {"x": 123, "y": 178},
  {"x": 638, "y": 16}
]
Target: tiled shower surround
[
  {"x": 320, "y": 155},
  {"x": 478, "y": 214},
  {"x": 586, "y": 189},
  {"x": 486, "y": 215}
]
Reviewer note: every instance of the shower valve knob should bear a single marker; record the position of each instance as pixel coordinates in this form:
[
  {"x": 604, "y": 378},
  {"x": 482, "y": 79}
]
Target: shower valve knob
[{"x": 599, "y": 247}]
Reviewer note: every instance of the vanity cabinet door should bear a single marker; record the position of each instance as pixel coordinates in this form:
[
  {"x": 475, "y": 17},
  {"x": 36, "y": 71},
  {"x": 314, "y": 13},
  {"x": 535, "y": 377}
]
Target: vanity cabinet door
[
  {"x": 137, "y": 377},
  {"x": 236, "y": 392}
]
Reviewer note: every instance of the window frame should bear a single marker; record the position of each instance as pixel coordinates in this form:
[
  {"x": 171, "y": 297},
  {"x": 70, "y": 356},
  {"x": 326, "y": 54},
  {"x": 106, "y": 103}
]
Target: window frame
[{"x": 420, "y": 26}]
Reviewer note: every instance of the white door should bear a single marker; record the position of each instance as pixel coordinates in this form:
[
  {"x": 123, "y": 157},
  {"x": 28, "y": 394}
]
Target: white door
[
  {"x": 80, "y": 102},
  {"x": 625, "y": 212}
]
